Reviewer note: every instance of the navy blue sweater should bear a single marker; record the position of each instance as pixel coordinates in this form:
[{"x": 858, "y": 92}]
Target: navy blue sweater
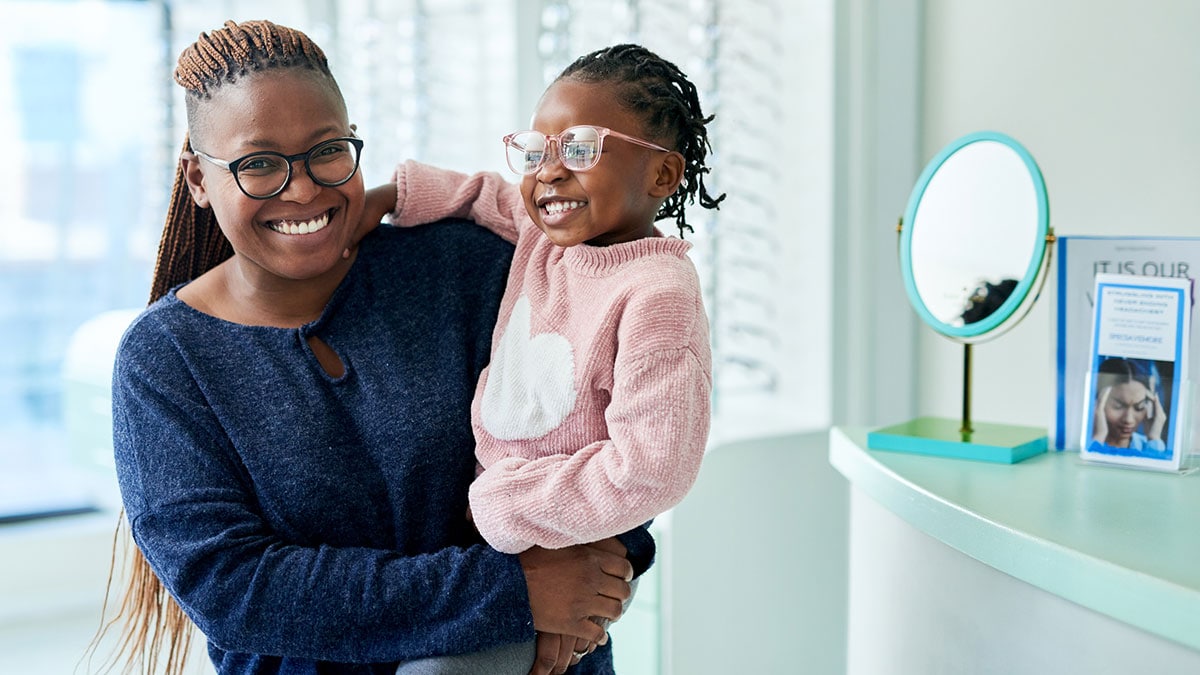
[{"x": 308, "y": 523}]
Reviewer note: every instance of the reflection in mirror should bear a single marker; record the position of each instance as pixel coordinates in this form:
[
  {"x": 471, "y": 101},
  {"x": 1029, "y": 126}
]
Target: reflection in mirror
[
  {"x": 986, "y": 299},
  {"x": 973, "y": 233}
]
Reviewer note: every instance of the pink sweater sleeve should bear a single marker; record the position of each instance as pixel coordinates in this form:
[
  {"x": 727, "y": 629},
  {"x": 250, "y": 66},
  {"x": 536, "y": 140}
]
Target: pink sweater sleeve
[
  {"x": 658, "y": 422},
  {"x": 426, "y": 193}
]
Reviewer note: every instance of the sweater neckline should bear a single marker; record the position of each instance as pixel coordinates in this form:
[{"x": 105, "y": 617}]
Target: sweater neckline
[
  {"x": 305, "y": 329},
  {"x": 604, "y": 260}
]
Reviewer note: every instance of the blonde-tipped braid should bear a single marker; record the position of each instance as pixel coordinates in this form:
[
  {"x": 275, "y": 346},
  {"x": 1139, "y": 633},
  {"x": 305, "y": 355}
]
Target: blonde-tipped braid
[{"x": 192, "y": 243}]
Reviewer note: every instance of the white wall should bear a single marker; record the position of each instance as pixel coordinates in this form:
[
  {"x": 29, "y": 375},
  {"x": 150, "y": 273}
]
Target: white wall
[
  {"x": 876, "y": 115},
  {"x": 754, "y": 563},
  {"x": 1106, "y": 96}
]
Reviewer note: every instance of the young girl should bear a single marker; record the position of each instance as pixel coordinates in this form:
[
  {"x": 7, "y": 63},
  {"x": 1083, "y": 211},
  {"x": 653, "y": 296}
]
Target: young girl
[{"x": 593, "y": 413}]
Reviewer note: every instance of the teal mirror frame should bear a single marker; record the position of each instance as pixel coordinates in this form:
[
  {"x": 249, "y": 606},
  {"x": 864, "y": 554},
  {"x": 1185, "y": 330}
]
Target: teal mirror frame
[{"x": 982, "y": 329}]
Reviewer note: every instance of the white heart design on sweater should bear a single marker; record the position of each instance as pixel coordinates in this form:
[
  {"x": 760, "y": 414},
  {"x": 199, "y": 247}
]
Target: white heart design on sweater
[{"x": 530, "y": 385}]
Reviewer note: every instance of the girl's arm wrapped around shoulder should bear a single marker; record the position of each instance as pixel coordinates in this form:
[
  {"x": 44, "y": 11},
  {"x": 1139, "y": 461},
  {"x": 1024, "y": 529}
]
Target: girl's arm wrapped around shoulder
[{"x": 425, "y": 194}]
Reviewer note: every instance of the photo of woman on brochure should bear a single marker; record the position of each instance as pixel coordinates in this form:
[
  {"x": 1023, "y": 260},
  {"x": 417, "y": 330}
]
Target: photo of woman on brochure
[{"x": 1132, "y": 397}]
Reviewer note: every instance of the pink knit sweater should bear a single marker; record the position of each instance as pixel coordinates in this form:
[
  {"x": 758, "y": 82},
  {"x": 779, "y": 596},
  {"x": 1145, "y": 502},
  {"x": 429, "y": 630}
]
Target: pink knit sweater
[{"x": 593, "y": 414}]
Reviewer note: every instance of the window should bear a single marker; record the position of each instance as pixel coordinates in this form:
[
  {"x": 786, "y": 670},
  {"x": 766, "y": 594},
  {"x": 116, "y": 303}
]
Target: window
[
  {"x": 82, "y": 184},
  {"x": 93, "y": 124}
]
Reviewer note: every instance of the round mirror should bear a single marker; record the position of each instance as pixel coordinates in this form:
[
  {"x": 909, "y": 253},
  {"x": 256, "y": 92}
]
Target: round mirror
[{"x": 974, "y": 237}]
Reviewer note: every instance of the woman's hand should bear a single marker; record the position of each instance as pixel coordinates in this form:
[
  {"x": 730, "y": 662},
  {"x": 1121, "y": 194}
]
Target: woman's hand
[
  {"x": 556, "y": 653},
  {"x": 1157, "y": 421},
  {"x": 611, "y": 545},
  {"x": 574, "y": 593},
  {"x": 1099, "y": 421},
  {"x": 569, "y": 586}
]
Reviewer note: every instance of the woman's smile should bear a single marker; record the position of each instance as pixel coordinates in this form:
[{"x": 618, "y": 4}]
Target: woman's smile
[{"x": 297, "y": 226}]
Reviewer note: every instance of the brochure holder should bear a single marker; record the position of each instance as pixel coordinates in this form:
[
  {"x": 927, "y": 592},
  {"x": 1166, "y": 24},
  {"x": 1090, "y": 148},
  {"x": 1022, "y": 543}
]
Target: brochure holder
[
  {"x": 1080, "y": 258},
  {"x": 1187, "y": 425},
  {"x": 1138, "y": 397}
]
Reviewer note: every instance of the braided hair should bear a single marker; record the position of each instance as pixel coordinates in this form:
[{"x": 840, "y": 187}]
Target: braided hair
[
  {"x": 192, "y": 243},
  {"x": 152, "y": 623},
  {"x": 658, "y": 91}
]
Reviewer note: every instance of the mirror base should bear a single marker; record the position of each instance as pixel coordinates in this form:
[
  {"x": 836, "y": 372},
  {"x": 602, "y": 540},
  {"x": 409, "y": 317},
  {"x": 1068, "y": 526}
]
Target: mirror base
[{"x": 941, "y": 437}]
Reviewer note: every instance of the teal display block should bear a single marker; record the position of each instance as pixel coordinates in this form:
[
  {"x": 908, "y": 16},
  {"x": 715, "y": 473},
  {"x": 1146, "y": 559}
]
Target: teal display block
[{"x": 941, "y": 437}]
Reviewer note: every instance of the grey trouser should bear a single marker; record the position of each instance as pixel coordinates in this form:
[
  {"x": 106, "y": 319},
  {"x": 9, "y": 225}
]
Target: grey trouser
[{"x": 513, "y": 659}]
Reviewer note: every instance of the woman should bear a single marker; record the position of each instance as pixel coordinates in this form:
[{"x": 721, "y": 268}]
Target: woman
[
  {"x": 291, "y": 413},
  {"x": 1126, "y": 402}
]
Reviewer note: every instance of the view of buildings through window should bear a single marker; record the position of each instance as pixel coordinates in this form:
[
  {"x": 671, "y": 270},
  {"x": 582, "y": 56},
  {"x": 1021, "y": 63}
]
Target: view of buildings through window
[
  {"x": 82, "y": 181},
  {"x": 91, "y": 124}
]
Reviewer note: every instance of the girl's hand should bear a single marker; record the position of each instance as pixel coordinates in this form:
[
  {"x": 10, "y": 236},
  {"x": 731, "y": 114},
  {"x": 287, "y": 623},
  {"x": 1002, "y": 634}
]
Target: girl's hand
[
  {"x": 1099, "y": 421},
  {"x": 380, "y": 201},
  {"x": 1158, "y": 421}
]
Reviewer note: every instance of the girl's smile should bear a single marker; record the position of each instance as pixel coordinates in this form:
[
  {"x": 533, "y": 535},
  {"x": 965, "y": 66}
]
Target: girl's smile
[{"x": 556, "y": 211}]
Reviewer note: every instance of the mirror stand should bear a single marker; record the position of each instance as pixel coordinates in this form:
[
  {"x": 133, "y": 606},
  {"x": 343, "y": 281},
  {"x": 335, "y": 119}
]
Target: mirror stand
[
  {"x": 966, "y": 408},
  {"x": 1003, "y": 443},
  {"x": 974, "y": 251}
]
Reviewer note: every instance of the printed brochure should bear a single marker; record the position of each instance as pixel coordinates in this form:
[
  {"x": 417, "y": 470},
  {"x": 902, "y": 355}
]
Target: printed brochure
[{"x": 1138, "y": 362}]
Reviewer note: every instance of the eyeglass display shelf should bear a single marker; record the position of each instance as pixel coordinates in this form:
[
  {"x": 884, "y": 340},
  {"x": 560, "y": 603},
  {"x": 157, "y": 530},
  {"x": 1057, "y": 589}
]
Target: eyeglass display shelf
[{"x": 1121, "y": 542}]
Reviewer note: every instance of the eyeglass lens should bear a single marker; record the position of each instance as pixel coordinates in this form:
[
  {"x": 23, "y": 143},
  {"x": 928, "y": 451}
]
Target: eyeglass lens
[
  {"x": 266, "y": 173},
  {"x": 578, "y": 149}
]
